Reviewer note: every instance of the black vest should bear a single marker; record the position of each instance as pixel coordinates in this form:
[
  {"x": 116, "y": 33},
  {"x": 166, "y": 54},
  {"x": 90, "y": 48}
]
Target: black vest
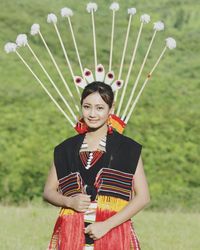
[{"x": 122, "y": 153}]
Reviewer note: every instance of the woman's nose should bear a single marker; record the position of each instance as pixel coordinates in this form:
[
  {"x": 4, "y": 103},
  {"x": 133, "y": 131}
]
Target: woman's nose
[{"x": 92, "y": 113}]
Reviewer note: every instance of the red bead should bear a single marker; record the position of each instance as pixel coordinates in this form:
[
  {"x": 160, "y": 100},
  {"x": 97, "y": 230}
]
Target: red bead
[
  {"x": 78, "y": 80},
  {"x": 110, "y": 129},
  {"x": 99, "y": 69},
  {"x": 87, "y": 73},
  {"x": 118, "y": 83}
]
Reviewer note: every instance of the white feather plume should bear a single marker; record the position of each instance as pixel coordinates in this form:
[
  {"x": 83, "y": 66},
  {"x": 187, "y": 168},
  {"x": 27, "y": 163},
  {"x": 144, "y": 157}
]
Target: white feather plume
[
  {"x": 78, "y": 80},
  {"x": 10, "y": 47},
  {"x": 35, "y": 28},
  {"x": 132, "y": 11},
  {"x": 159, "y": 26},
  {"x": 117, "y": 85},
  {"x": 88, "y": 75},
  {"x": 91, "y": 7},
  {"x": 170, "y": 43},
  {"x": 109, "y": 78},
  {"x": 114, "y": 6},
  {"x": 100, "y": 73},
  {"x": 145, "y": 18},
  {"x": 51, "y": 18},
  {"x": 21, "y": 40},
  {"x": 66, "y": 12}
]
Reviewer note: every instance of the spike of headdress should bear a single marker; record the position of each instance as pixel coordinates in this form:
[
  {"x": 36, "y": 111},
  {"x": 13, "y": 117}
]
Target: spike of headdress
[{"x": 121, "y": 118}]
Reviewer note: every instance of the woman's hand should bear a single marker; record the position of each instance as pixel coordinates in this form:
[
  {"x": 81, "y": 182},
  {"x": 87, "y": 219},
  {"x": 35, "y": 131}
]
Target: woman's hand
[
  {"x": 97, "y": 230},
  {"x": 79, "y": 202}
]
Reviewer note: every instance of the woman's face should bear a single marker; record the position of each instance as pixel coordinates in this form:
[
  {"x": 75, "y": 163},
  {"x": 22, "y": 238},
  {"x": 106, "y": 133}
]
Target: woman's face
[{"x": 95, "y": 110}]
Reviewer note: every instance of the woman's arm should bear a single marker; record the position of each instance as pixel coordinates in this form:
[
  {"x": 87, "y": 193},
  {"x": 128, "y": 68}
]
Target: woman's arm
[
  {"x": 139, "y": 201},
  {"x": 80, "y": 202}
]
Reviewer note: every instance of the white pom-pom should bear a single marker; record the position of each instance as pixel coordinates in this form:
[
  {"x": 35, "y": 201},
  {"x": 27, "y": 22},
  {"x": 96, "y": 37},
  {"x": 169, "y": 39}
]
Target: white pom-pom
[
  {"x": 66, "y": 12},
  {"x": 91, "y": 7},
  {"x": 21, "y": 40},
  {"x": 10, "y": 47},
  {"x": 114, "y": 6},
  {"x": 35, "y": 28},
  {"x": 132, "y": 11},
  {"x": 51, "y": 18},
  {"x": 170, "y": 43},
  {"x": 145, "y": 18},
  {"x": 159, "y": 26}
]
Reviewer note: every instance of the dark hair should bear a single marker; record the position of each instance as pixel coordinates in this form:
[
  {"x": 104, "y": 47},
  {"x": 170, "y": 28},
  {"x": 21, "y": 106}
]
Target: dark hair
[{"x": 103, "y": 89}]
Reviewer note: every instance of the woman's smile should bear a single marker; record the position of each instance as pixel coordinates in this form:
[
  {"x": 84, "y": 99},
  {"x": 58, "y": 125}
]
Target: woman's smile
[
  {"x": 95, "y": 110},
  {"x": 92, "y": 120}
]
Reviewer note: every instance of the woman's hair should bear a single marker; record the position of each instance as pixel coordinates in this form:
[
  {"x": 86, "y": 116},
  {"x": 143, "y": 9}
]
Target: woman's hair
[{"x": 103, "y": 89}]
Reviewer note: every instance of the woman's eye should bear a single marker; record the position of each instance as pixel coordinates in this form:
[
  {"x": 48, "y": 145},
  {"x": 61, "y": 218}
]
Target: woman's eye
[
  {"x": 99, "y": 108},
  {"x": 86, "y": 107}
]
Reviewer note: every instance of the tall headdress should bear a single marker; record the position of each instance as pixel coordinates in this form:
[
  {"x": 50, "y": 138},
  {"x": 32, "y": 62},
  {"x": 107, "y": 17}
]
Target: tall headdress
[{"x": 124, "y": 103}]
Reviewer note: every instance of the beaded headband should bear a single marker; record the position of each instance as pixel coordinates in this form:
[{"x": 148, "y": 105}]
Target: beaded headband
[{"x": 120, "y": 117}]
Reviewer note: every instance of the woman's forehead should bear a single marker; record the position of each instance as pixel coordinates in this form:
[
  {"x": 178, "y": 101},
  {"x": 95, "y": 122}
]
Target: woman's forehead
[{"x": 94, "y": 98}]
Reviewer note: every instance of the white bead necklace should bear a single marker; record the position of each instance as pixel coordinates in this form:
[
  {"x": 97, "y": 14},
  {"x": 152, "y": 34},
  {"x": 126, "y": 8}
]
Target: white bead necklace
[
  {"x": 89, "y": 160},
  {"x": 102, "y": 146}
]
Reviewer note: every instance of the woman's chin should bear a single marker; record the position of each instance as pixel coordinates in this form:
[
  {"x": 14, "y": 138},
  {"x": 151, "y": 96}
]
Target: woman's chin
[{"x": 94, "y": 125}]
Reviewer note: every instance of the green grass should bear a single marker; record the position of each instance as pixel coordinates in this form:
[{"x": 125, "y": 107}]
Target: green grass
[
  {"x": 30, "y": 228},
  {"x": 166, "y": 119}
]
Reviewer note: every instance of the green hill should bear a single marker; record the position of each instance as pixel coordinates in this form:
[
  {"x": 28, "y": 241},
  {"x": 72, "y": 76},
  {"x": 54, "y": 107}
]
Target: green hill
[{"x": 165, "y": 121}]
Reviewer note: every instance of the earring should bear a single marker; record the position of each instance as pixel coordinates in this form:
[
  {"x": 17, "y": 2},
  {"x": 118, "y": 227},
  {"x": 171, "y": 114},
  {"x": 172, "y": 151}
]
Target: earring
[
  {"x": 81, "y": 126},
  {"x": 109, "y": 124}
]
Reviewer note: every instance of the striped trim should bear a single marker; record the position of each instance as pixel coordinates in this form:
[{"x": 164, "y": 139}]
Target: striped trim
[
  {"x": 85, "y": 155},
  {"x": 109, "y": 182},
  {"x": 115, "y": 183},
  {"x": 71, "y": 184}
]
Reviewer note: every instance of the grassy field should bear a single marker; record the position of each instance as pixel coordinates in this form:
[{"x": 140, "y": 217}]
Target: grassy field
[
  {"x": 166, "y": 119},
  {"x": 30, "y": 228}
]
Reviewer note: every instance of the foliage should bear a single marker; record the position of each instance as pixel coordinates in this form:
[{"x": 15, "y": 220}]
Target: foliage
[{"x": 165, "y": 122}]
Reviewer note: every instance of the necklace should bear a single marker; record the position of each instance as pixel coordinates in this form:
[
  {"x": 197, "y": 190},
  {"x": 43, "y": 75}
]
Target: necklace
[{"x": 89, "y": 158}]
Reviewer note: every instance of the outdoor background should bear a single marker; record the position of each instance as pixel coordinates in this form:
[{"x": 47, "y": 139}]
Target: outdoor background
[{"x": 165, "y": 121}]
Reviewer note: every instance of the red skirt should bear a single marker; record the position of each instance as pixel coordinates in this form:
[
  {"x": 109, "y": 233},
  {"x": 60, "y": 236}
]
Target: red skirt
[{"x": 69, "y": 234}]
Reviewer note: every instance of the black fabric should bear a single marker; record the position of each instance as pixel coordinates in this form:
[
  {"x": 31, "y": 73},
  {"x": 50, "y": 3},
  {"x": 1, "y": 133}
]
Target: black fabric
[
  {"x": 122, "y": 153},
  {"x": 88, "y": 240},
  {"x": 91, "y": 190}
]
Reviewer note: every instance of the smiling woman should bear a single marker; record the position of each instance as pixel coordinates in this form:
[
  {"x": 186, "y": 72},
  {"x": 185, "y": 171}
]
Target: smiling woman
[
  {"x": 97, "y": 104},
  {"x": 98, "y": 180}
]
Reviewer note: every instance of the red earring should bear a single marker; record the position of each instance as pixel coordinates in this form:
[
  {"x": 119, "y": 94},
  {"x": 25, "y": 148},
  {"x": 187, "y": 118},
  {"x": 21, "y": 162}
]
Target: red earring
[
  {"x": 109, "y": 124},
  {"x": 81, "y": 127}
]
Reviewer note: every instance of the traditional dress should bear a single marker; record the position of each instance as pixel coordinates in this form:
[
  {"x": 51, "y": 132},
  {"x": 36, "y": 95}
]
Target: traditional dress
[{"x": 108, "y": 176}]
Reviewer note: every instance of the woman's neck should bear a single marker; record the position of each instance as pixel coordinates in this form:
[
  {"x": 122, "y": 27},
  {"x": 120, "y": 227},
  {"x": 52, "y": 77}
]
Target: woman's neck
[{"x": 97, "y": 133}]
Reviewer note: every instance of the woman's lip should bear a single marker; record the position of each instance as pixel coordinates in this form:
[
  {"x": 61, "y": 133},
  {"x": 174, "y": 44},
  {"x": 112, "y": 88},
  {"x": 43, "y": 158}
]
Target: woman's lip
[{"x": 92, "y": 120}]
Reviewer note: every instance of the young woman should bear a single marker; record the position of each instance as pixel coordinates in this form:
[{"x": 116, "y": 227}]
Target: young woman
[{"x": 98, "y": 180}]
